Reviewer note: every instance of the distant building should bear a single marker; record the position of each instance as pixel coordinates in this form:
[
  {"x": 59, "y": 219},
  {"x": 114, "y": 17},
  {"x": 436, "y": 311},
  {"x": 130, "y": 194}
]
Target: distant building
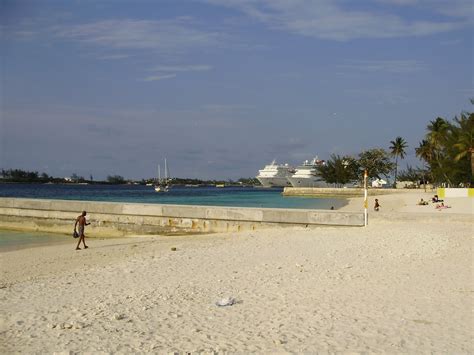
[{"x": 406, "y": 185}]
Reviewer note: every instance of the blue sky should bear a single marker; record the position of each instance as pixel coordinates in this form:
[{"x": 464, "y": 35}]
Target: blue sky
[{"x": 222, "y": 87}]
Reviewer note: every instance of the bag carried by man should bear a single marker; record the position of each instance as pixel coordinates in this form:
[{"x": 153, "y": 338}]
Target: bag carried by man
[{"x": 75, "y": 234}]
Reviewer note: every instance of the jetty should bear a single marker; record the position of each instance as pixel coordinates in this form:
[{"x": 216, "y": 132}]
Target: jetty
[{"x": 120, "y": 219}]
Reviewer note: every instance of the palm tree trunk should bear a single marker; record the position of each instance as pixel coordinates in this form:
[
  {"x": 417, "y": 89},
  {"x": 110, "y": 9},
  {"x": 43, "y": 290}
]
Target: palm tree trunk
[
  {"x": 396, "y": 170},
  {"x": 472, "y": 165}
]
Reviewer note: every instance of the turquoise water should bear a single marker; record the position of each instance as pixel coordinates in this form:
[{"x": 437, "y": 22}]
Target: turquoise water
[
  {"x": 209, "y": 196},
  {"x": 12, "y": 240}
]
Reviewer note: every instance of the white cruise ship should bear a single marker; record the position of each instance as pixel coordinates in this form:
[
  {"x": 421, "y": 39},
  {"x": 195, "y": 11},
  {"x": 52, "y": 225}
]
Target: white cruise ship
[
  {"x": 275, "y": 175},
  {"x": 306, "y": 175}
]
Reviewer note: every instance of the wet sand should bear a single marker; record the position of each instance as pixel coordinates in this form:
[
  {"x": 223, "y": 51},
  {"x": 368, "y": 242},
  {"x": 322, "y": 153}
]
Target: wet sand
[{"x": 15, "y": 240}]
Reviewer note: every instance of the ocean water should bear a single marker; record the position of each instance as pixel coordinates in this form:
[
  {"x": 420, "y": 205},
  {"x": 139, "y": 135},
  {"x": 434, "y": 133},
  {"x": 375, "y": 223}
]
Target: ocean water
[{"x": 208, "y": 196}]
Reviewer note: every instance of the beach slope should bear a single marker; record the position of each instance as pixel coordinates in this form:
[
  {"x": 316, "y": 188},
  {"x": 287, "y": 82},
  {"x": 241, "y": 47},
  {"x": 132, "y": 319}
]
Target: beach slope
[{"x": 394, "y": 286}]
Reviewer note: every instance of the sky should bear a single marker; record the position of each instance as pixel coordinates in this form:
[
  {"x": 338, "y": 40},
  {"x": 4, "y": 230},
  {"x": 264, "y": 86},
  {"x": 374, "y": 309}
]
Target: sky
[{"x": 222, "y": 87}]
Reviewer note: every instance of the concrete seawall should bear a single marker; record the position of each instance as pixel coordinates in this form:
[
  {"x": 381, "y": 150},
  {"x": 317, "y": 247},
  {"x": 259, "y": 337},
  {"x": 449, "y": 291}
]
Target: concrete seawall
[{"x": 118, "y": 219}]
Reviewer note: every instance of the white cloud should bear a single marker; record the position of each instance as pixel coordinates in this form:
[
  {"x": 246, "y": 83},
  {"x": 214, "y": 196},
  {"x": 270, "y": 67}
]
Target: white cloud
[
  {"x": 159, "y": 77},
  {"x": 176, "y": 35},
  {"x": 181, "y": 68},
  {"x": 390, "y": 66},
  {"x": 327, "y": 20}
]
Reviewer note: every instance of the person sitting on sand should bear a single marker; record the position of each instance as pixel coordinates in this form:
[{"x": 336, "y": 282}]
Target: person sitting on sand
[
  {"x": 442, "y": 206},
  {"x": 377, "y": 205},
  {"x": 422, "y": 202},
  {"x": 436, "y": 199},
  {"x": 81, "y": 220}
]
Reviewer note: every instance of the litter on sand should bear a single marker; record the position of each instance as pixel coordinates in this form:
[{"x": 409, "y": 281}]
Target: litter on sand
[{"x": 228, "y": 301}]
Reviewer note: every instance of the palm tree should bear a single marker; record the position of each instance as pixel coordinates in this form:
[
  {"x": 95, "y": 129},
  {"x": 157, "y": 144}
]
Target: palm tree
[
  {"x": 465, "y": 139},
  {"x": 448, "y": 149},
  {"x": 397, "y": 149},
  {"x": 424, "y": 151},
  {"x": 437, "y": 132},
  {"x": 438, "y": 136}
]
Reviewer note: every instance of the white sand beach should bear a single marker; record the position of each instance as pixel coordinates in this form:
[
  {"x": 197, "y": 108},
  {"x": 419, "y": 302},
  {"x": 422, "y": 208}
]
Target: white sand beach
[
  {"x": 407, "y": 202},
  {"x": 396, "y": 286}
]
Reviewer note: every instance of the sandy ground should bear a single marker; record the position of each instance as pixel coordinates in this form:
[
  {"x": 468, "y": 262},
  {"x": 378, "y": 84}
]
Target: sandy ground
[
  {"x": 394, "y": 286},
  {"x": 407, "y": 202}
]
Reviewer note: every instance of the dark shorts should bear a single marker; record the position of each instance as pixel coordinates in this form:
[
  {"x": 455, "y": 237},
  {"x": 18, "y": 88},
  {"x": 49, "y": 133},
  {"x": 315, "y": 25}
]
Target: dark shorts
[{"x": 81, "y": 231}]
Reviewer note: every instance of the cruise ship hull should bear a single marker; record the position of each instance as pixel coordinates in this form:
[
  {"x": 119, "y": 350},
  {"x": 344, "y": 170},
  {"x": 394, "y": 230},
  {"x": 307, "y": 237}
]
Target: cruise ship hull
[
  {"x": 274, "y": 181},
  {"x": 306, "y": 182}
]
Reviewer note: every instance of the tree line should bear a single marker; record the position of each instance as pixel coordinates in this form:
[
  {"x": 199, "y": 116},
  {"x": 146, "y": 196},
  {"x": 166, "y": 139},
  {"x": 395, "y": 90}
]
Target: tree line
[
  {"x": 18, "y": 175},
  {"x": 447, "y": 151},
  {"x": 342, "y": 170},
  {"x": 24, "y": 176}
]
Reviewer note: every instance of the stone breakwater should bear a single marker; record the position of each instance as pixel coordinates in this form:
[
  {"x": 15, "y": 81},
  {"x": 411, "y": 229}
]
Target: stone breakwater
[{"x": 119, "y": 219}]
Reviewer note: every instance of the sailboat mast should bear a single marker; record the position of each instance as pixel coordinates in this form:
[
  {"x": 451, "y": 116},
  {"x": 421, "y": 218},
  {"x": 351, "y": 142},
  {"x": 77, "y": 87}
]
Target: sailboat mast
[
  {"x": 166, "y": 171},
  {"x": 159, "y": 174}
]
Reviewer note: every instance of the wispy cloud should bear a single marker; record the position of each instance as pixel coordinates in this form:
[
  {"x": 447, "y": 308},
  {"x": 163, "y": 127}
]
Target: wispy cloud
[
  {"x": 398, "y": 2},
  {"x": 454, "y": 8},
  {"x": 159, "y": 77},
  {"x": 327, "y": 19},
  {"x": 388, "y": 66},
  {"x": 226, "y": 108},
  {"x": 181, "y": 68},
  {"x": 169, "y": 71},
  {"x": 175, "y": 35},
  {"x": 292, "y": 144},
  {"x": 384, "y": 96},
  {"x": 114, "y": 56},
  {"x": 25, "y": 34},
  {"x": 290, "y": 75},
  {"x": 18, "y": 31},
  {"x": 451, "y": 8},
  {"x": 451, "y": 42}
]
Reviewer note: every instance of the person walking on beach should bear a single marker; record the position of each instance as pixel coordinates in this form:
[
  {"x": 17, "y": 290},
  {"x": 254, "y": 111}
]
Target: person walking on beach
[
  {"x": 376, "y": 206},
  {"x": 81, "y": 220}
]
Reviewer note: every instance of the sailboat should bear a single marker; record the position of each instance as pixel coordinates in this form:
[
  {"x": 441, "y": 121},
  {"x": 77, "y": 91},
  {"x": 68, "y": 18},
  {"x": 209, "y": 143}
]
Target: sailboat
[{"x": 163, "y": 185}]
